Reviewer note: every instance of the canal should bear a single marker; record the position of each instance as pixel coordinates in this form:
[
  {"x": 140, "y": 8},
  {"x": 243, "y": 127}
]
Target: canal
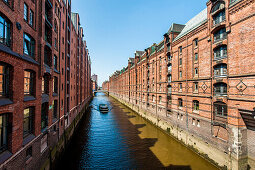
[{"x": 121, "y": 139}]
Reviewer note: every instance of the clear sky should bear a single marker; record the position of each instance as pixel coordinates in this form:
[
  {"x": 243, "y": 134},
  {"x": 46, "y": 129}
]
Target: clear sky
[{"x": 115, "y": 29}]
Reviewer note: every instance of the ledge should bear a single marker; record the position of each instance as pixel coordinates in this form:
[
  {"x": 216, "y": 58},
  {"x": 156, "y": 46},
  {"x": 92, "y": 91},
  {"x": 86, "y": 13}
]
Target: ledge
[
  {"x": 28, "y": 139},
  {"x": 29, "y": 98},
  {"x": 4, "y": 156},
  {"x": 5, "y": 101},
  {"x": 7, "y": 50}
]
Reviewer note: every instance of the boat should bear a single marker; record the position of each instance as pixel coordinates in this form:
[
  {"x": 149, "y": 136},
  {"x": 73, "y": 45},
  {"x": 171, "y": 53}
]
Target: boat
[{"x": 103, "y": 108}]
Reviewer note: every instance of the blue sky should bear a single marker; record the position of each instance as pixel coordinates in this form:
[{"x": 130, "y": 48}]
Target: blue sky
[{"x": 115, "y": 29}]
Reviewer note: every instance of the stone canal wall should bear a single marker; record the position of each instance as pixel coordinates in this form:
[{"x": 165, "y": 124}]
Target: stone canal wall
[
  {"x": 215, "y": 152},
  {"x": 57, "y": 151}
]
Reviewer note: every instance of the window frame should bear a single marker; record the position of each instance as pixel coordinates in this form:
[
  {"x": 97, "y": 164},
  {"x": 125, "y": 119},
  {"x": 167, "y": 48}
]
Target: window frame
[
  {"x": 30, "y": 119},
  {"x": 31, "y": 83},
  {"x": 7, "y": 30},
  {"x": 4, "y": 129},
  {"x": 25, "y": 12},
  {"x": 29, "y": 43},
  {"x": 5, "y": 80},
  {"x": 220, "y": 109},
  {"x": 195, "y": 105}
]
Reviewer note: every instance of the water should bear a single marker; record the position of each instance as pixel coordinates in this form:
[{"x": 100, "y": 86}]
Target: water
[{"x": 121, "y": 139}]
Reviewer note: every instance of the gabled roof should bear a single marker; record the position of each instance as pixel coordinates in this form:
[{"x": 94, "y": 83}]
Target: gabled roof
[
  {"x": 193, "y": 23},
  {"x": 176, "y": 28},
  {"x": 139, "y": 53}
]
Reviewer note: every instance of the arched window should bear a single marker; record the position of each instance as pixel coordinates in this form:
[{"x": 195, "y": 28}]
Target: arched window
[
  {"x": 220, "y": 52},
  {"x": 220, "y": 89},
  {"x": 5, "y": 31},
  {"x": 220, "y": 70},
  {"x": 28, "y": 45},
  {"x": 218, "y": 6},
  {"x": 195, "y": 105},
  {"x": 220, "y": 109}
]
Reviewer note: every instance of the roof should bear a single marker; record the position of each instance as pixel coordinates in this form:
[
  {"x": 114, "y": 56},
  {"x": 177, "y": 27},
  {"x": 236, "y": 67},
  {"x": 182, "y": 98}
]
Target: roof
[
  {"x": 176, "y": 28},
  {"x": 193, "y": 23},
  {"x": 139, "y": 53}
]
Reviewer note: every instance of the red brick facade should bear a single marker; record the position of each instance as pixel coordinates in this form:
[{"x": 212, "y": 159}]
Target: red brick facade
[
  {"x": 42, "y": 39},
  {"x": 201, "y": 79}
]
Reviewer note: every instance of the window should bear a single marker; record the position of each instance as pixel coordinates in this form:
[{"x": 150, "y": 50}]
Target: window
[
  {"x": 180, "y": 86},
  {"x": 47, "y": 56},
  {"x": 196, "y": 57},
  {"x": 56, "y": 43},
  {"x": 219, "y": 17},
  {"x": 170, "y": 89},
  {"x": 196, "y": 71},
  {"x": 160, "y": 99},
  {"x": 55, "y": 85},
  {"x": 220, "y": 109},
  {"x": 25, "y": 12},
  {"x": 31, "y": 18},
  {"x": 28, "y": 83},
  {"x": 196, "y": 42},
  {"x": 180, "y": 74},
  {"x": 220, "y": 89},
  {"x": 180, "y": 49},
  {"x": 55, "y": 109},
  {"x": 218, "y": 6},
  {"x": 180, "y": 61},
  {"x": 180, "y": 103},
  {"x": 220, "y": 70},
  {"x": 55, "y": 62},
  {"x": 44, "y": 115},
  {"x": 4, "y": 80},
  {"x": 5, "y": 31},
  {"x": 153, "y": 98},
  {"x": 45, "y": 84},
  {"x": 28, "y": 45},
  {"x": 28, "y": 122},
  {"x": 220, "y": 35},
  {"x": 195, "y": 105},
  {"x": 169, "y": 78},
  {"x": 195, "y": 86},
  {"x": 3, "y": 132},
  {"x": 220, "y": 52},
  {"x": 29, "y": 153}
]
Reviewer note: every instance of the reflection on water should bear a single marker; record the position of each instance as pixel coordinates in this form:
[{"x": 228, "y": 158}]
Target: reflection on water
[{"x": 122, "y": 139}]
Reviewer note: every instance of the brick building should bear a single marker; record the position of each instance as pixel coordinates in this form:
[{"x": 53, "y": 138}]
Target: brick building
[
  {"x": 198, "y": 83},
  {"x": 94, "y": 82},
  {"x": 44, "y": 80},
  {"x": 105, "y": 86}
]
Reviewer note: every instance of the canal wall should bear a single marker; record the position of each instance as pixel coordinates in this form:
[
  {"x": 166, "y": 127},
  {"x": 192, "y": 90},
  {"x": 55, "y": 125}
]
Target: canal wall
[
  {"x": 56, "y": 151},
  {"x": 217, "y": 152}
]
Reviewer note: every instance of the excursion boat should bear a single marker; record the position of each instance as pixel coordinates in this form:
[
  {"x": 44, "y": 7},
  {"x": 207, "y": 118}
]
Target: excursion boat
[{"x": 103, "y": 108}]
